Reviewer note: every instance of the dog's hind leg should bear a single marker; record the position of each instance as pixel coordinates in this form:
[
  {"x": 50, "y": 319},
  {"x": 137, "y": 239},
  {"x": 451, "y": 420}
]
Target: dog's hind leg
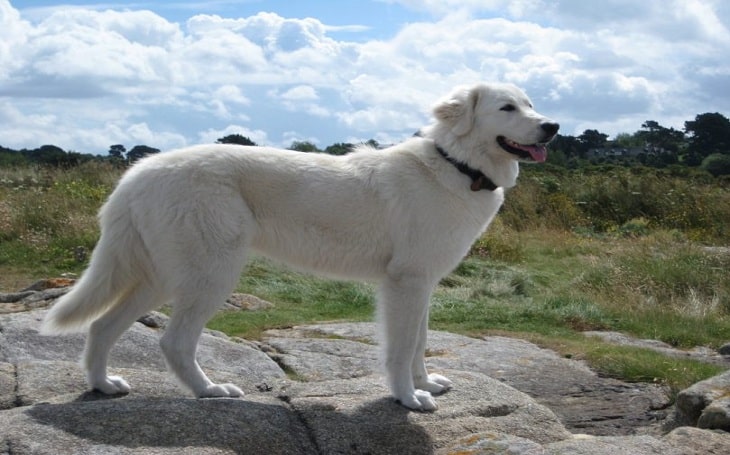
[
  {"x": 434, "y": 383},
  {"x": 194, "y": 303},
  {"x": 180, "y": 341},
  {"x": 403, "y": 303},
  {"x": 105, "y": 331},
  {"x": 204, "y": 254}
]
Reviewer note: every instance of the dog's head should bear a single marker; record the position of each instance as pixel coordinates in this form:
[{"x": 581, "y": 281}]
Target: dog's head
[{"x": 495, "y": 119}]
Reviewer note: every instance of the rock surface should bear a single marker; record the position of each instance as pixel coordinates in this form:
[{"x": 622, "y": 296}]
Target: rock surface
[
  {"x": 510, "y": 397},
  {"x": 706, "y": 403},
  {"x": 584, "y": 401},
  {"x": 716, "y": 416}
]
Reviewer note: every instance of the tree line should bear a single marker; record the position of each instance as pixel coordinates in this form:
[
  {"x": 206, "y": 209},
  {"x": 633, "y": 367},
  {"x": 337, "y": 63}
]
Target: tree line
[{"x": 704, "y": 142}]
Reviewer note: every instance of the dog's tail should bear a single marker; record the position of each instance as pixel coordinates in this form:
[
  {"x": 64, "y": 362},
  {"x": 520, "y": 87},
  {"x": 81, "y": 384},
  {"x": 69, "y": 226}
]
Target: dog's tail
[{"x": 109, "y": 277}]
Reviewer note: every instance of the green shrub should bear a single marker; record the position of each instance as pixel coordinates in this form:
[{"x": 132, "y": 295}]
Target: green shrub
[
  {"x": 498, "y": 243},
  {"x": 717, "y": 164},
  {"x": 610, "y": 199},
  {"x": 636, "y": 227}
]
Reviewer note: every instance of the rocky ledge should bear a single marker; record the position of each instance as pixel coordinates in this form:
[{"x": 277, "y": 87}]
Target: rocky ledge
[{"x": 317, "y": 390}]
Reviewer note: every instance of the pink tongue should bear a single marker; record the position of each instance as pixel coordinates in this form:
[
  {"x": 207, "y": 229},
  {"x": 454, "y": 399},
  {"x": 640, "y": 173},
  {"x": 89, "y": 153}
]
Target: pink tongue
[{"x": 538, "y": 153}]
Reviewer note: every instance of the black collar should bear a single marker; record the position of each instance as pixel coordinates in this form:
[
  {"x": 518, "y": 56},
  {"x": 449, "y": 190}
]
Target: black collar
[{"x": 479, "y": 181}]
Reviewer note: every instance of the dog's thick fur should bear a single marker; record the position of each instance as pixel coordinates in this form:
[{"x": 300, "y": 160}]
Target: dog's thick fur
[{"x": 179, "y": 227}]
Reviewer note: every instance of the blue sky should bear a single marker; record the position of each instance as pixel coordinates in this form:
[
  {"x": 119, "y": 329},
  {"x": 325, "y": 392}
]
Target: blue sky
[
  {"x": 371, "y": 19},
  {"x": 87, "y": 74}
]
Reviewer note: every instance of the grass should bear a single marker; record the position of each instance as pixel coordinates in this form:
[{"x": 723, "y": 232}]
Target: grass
[
  {"x": 552, "y": 265},
  {"x": 644, "y": 365},
  {"x": 48, "y": 217},
  {"x": 628, "y": 363},
  {"x": 298, "y": 298}
]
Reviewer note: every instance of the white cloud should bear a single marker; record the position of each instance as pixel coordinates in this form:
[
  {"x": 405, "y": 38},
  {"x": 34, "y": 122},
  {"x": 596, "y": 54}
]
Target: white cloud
[
  {"x": 78, "y": 127},
  {"x": 702, "y": 14},
  {"x": 13, "y": 35},
  {"x": 301, "y": 98},
  {"x": 232, "y": 94},
  {"x": 346, "y": 28},
  {"x": 218, "y": 56},
  {"x": 18, "y": 127},
  {"x": 86, "y": 78},
  {"x": 300, "y": 93},
  {"x": 221, "y": 101},
  {"x": 378, "y": 119},
  {"x": 515, "y": 8}
]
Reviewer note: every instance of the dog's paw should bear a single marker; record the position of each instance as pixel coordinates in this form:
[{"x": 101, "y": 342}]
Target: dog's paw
[
  {"x": 220, "y": 391},
  {"x": 421, "y": 400},
  {"x": 111, "y": 385},
  {"x": 435, "y": 383}
]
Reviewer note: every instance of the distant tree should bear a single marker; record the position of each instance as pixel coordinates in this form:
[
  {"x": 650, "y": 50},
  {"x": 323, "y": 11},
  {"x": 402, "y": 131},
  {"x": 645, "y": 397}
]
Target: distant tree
[
  {"x": 372, "y": 143},
  {"x": 304, "y": 146},
  {"x": 708, "y": 133},
  {"x": 140, "y": 151},
  {"x": 652, "y": 133},
  {"x": 75, "y": 158},
  {"x": 339, "y": 148},
  {"x": 10, "y": 157},
  {"x": 47, "y": 154},
  {"x": 235, "y": 139},
  {"x": 569, "y": 145},
  {"x": 591, "y": 139},
  {"x": 117, "y": 151},
  {"x": 626, "y": 140}
]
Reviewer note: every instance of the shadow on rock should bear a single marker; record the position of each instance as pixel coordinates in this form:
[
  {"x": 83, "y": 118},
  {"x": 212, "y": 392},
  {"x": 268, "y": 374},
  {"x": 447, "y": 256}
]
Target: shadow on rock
[
  {"x": 379, "y": 426},
  {"x": 264, "y": 425}
]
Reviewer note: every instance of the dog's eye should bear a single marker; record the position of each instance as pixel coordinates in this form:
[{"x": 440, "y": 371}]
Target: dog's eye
[{"x": 508, "y": 108}]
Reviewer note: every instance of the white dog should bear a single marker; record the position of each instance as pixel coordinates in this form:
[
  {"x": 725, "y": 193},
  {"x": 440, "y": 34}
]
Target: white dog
[{"x": 179, "y": 227}]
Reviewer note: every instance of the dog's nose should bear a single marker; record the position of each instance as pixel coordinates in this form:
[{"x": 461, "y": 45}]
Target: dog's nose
[{"x": 551, "y": 128}]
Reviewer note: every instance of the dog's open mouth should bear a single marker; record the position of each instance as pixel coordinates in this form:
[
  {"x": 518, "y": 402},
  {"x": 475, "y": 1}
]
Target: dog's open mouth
[{"x": 535, "y": 152}]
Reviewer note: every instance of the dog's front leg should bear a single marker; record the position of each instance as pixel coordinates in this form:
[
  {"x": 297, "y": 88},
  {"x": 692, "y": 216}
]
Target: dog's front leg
[
  {"x": 434, "y": 383},
  {"x": 403, "y": 304}
]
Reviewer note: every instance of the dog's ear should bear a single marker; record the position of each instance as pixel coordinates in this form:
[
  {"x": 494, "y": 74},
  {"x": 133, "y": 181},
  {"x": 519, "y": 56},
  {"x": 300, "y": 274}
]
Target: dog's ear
[{"x": 458, "y": 110}]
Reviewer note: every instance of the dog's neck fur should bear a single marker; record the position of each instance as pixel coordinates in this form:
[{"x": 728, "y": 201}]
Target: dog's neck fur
[{"x": 501, "y": 169}]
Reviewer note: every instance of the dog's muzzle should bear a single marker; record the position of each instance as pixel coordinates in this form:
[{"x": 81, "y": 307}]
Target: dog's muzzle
[{"x": 534, "y": 152}]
